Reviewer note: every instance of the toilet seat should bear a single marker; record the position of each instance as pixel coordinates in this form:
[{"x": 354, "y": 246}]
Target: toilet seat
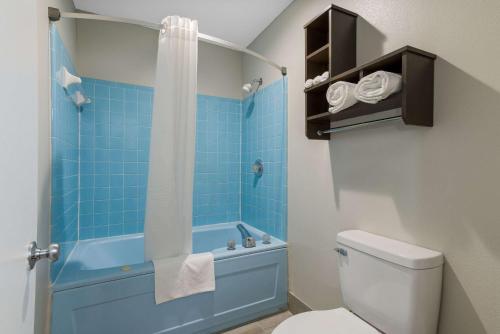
[{"x": 337, "y": 321}]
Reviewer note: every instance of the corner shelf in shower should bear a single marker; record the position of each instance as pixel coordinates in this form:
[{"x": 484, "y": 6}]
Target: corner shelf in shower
[{"x": 413, "y": 104}]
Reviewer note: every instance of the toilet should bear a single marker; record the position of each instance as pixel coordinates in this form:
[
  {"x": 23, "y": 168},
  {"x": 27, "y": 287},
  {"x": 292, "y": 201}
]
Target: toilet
[{"x": 388, "y": 286}]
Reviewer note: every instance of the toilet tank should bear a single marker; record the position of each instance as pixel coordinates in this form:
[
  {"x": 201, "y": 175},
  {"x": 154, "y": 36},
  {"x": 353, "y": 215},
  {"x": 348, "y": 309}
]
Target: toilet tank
[{"x": 394, "y": 286}]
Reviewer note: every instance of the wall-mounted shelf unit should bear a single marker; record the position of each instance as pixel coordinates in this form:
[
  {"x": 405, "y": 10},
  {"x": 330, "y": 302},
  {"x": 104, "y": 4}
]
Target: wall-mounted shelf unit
[
  {"x": 413, "y": 104},
  {"x": 330, "y": 46}
]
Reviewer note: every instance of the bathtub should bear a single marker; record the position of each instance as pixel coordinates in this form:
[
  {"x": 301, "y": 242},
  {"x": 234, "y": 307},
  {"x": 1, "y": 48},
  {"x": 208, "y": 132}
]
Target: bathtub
[{"x": 106, "y": 287}]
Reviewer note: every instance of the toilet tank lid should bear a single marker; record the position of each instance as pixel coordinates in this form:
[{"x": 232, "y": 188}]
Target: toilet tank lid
[{"x": 394, "y": 251}]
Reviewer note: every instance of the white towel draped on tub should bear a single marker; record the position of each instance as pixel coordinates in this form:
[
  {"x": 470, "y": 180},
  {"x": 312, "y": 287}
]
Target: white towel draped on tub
[
  {"x": 182, "y": 276},
  {"x": 377, "y": 86},
  {"x": 340, "y": 96}
]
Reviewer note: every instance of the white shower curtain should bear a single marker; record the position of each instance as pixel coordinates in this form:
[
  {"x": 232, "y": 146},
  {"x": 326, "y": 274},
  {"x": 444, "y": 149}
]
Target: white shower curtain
[{"x": 167, "y": 230}]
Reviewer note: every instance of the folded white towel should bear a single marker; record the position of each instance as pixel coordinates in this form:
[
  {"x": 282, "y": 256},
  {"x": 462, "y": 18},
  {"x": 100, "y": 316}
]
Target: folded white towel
[
  {"x": 377, "y": 86},
  {"x": 308, "y": 83},
  {"x": 340, "y": 96},
  {"x": 184, "y": 275},
  {"x": 320, "y": 78}
]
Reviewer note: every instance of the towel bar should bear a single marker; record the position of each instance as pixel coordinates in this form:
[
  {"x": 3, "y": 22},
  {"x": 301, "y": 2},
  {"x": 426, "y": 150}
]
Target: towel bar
[{"x": 358, "y": 125}]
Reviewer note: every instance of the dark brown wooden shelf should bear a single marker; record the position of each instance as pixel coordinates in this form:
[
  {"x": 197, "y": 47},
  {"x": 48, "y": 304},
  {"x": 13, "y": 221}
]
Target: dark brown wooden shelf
[
  {"x": 314, "y": 20},
  {"x": 321, "y": 55},
  {"x": 330, "y": 45},
  {"x": 415, "y": 100},
  {"x": 390, "y": 62}
]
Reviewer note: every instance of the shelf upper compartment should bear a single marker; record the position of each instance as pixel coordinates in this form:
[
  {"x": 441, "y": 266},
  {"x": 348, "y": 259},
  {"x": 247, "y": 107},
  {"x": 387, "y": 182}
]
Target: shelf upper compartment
[
  {"x": 393, "y": 59},
  {"x": 321, "y": 55}
]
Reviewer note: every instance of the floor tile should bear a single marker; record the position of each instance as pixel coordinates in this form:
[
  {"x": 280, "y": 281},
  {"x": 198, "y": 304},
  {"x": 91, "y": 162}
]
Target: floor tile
[
  {"x": 273, "y": 321},
  {"x": 247, "y": 329},
  {"x": 262, "y": 326}
]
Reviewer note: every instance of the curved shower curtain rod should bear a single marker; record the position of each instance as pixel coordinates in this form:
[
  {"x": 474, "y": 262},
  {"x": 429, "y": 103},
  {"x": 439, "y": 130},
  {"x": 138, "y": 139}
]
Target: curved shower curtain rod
[{"x": 55, "y": 14}]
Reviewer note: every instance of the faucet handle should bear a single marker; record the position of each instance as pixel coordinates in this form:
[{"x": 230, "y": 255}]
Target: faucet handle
[
  {"x": 266, "y": 239},
  {"x": 231, "y": 244}
]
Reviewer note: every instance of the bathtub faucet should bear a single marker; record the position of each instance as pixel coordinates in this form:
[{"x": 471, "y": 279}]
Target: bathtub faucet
[{"x": 247, "y": 240}]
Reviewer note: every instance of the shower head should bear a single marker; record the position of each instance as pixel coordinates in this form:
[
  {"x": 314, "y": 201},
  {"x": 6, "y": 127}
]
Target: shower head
[{"x": 252, "y": 86}]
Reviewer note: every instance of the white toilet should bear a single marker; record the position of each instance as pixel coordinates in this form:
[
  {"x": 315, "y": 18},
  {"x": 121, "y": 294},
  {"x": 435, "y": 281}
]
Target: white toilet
[{"x": 389, "y": 286}]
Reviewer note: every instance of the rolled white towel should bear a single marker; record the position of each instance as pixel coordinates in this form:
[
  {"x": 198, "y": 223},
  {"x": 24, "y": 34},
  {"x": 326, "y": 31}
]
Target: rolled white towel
[
  {"x": 308, "y": 83},
  {"x": 377, "y": 86},
  {"x": 340, "y": 96}
]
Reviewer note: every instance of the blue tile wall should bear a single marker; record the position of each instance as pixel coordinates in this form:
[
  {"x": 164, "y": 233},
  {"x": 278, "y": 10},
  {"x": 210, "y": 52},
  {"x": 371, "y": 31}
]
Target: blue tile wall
[
  {"x": 114, "y": 154},
  {"x": 217, "y": 190},
  {"x": 264, "y": 136},
  {"x": 64, "y": 155}
]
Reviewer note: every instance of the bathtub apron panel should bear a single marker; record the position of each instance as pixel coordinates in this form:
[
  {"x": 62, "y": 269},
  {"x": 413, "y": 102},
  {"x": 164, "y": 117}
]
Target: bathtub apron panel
[{"x": 247, "y": 287}]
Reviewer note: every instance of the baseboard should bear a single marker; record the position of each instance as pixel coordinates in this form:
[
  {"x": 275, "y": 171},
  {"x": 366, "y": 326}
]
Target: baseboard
[{"x": 295, "y": 305}]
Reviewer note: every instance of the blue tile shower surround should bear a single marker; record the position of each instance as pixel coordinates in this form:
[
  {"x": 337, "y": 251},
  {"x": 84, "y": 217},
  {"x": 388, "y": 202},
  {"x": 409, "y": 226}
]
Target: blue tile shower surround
[
  {"x": 264, "y": 136},
  {"x": 217, "y": 189},
  {"x": 114, "y": 143},
  {"x": 114, "y": 154},
  {"x": 100, "y": 159},
  {"x": 64, "y": 147},
  {"x": 114, "y": 162}
]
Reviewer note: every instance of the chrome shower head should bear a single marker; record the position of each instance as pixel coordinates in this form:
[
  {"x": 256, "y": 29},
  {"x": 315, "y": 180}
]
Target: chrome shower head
[{"x": 252, "y": 86}]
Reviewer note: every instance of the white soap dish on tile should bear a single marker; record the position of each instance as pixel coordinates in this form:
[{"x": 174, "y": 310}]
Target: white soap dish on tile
[
  {"x": 66, "y": 79},
  {"x": 72, "y": 84}
]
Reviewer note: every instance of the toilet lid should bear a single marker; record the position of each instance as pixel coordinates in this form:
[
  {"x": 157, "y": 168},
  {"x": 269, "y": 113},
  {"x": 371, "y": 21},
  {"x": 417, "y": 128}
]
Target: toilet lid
[{"x": 337, "y": 321}]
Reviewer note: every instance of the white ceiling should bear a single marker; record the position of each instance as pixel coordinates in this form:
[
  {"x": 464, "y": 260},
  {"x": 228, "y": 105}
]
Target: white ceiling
[{"x": 237, "y": 21}]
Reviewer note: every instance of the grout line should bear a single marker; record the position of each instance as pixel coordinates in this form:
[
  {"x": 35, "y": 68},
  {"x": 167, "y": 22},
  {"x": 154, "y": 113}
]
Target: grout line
[
  {"x": 241, "y": 163},
  {"x": 79, "y": 181}
]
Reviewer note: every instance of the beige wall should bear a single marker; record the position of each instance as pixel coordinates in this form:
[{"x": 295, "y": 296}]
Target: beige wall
[
  {"x": 127, "y": 53},
  {"x": 436, "y": 187},
  {"x": 220, "y": 71}
]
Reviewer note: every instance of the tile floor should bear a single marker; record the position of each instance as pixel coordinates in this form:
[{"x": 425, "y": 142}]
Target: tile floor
[{"x": 262, "y": 326}]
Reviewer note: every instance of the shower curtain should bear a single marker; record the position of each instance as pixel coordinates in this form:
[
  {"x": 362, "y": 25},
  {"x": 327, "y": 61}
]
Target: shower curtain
[{"x": 167, "y": 230}]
